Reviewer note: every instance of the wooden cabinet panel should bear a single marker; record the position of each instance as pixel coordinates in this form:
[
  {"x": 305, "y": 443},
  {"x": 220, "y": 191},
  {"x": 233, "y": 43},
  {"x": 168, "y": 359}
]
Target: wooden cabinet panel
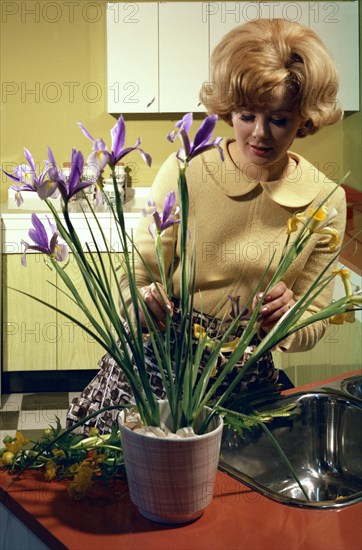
[
  {"x": 30, "y": 330},
  {"x": 76, "y": 349}
]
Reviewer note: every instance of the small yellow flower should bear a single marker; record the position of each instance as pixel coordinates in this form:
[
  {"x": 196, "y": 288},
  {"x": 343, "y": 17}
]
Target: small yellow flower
[
  {"x": 50, "y": 470},
  {"x": 17, "y": 443},
  {"x": 294, "y": 221},
  {"x": 7, "y": 458},
  {"x": 200, "y": 334},
  {"x": 82, "y": 482},
  {"x": 58, "y": 454},
  {"x": 199, "y": 331},
  {"x": 340, "y": 318},
  {"x": 345, "y": 275},
  {"x": 318, "y": 216},
  {"x": 99, "y": 459},
  {"x": 319, "y": 220},
  {"x": 229, "y": 347},
  {"x": 93, "y": 431}
]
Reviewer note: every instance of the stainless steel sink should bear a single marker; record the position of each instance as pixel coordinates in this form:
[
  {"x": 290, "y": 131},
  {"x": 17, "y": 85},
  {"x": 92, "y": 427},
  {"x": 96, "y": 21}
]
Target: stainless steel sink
[
  {"x": 322, "y": 440},
  {"x": 351, "y": 386}
]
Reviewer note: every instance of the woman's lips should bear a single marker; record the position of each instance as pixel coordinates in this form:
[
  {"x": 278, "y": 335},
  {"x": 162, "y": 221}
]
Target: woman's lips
[{"x": 260, "y": 150}]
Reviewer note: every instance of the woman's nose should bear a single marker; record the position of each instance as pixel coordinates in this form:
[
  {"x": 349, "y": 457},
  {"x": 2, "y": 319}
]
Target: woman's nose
[{"x": 261, "y": 128}]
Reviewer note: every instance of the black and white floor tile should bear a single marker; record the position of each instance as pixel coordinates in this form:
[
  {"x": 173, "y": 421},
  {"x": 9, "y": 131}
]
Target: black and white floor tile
[{"x": 32, "y": 413}]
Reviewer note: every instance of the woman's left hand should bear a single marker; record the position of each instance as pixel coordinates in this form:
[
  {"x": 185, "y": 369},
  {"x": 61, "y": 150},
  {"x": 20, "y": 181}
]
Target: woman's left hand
[{"x": 277, "y": 302}]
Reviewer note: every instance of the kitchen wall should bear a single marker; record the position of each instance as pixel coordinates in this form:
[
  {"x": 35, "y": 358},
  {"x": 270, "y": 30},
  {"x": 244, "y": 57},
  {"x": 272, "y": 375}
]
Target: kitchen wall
[{"x": 53, "y": 75}]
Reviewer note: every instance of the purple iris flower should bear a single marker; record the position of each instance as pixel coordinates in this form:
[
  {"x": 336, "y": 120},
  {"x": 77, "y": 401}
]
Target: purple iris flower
[
  {"x": 42, "y": 243},
  {"x": 100, "y": 156},
  {"x": 164, "y": 220},
  {"x": 236, "y": 311},
  {"x": 27, "y": 179},
  {"x": 75, "y": 183},
  {"x": 201, "y": 143}
]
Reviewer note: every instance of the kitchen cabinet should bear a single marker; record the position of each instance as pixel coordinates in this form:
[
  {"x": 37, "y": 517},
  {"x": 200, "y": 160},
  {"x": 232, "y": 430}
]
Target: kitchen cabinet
[
  {"x": 34, "y": 337},
  {"x": 132, "y": 58},
  {"x": 167, "y": 55},
  {"x": 76, "y": 349},
  {"x": 183, "y": 56},
  {"x": 29, "y": 336},
  {"x": 168, "y": 47}
]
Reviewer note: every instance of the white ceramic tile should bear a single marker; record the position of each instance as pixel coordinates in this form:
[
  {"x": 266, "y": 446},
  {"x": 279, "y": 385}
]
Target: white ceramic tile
[
  {"x": 11, "y": 402},
  {"x": 40, "y": 419}
]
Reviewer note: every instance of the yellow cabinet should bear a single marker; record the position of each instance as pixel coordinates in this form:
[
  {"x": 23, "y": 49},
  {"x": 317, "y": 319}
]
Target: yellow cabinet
[
  {"x": 76, "y": 349},
  {"x": 35, "y": 337},
  {"x": 30, "y": 331}
]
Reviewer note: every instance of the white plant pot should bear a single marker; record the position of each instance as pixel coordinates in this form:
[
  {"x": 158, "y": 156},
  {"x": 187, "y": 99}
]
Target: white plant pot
[{"x": 171, "y": 480}]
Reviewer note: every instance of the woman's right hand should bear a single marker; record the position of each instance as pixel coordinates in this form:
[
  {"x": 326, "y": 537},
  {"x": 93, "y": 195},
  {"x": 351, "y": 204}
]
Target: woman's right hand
[{"x": 155, "y": 298}]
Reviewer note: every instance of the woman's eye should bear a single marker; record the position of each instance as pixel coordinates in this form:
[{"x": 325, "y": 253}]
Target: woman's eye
[
  {"x": 279, "y": 121},
  {"x": 247, "y": 118}
]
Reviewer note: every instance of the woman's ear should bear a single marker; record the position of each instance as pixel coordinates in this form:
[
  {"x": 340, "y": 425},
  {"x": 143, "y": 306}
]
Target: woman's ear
[{"x": 304, "y": 128}]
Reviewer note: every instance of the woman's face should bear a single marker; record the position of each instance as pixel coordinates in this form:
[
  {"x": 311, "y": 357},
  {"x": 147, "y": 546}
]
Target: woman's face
[{"x": 263, "y": 137}]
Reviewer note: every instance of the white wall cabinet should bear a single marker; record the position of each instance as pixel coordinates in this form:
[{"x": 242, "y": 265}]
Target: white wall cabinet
[
  {"x": 158, "y": 52},
  {"x": 132, "y": 57},
  {"x": 183, "y": 56}
]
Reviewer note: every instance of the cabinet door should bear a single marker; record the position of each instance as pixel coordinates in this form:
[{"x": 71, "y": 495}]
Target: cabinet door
[
  {"x": 183, "y": 55},
  {"x": 132, "y": 57},
  {"x": 30, "y": 330},
  {"x": 76, "y": 349},
  {"x": 337, "y": 25}
]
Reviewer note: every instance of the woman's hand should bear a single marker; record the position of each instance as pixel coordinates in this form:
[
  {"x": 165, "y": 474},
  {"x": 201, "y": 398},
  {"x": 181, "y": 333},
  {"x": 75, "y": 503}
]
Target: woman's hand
[
  {"x": 277, "y": 302},
  {"x": 155, "y": 298}
]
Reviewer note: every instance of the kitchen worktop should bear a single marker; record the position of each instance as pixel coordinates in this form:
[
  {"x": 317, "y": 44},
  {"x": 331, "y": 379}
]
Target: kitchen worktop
[
  {"x": 237, "y": 518},
  {"x": 16, "y": 221}
]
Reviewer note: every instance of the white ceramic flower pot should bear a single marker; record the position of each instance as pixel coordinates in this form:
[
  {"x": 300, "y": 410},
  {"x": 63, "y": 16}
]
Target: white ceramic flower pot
[{"x": 171, "y": 480}]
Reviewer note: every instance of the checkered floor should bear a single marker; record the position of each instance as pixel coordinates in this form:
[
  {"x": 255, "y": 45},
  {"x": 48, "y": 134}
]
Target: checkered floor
[{"x": 31, "y": 413}]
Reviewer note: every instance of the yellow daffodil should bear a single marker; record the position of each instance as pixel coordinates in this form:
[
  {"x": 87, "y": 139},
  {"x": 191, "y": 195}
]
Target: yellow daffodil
[
  {"x": 229, "y": 347},
  {"x": 340, "y": 318},
  {"x": 82, "y": 482},
  {"x": 345, "y": 275},
  {"x": 58, "y": 454},
  {"x": 200, "y": 334},
  {"x": 294, "y": 221},
  {"x": 319, "y": 220},
  {"x": 50, "y": 470},
  {"x": 7, "y": 458},
  {"x": 17, "y": 443}
]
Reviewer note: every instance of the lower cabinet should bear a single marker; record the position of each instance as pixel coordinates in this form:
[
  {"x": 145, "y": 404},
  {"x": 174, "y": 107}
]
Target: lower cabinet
[{"x": 34, "y": 336}]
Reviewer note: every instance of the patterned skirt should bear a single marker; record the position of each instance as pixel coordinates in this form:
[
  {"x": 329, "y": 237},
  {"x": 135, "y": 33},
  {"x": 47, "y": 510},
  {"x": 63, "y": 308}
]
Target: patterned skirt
[{"x": 110, "y": 387}]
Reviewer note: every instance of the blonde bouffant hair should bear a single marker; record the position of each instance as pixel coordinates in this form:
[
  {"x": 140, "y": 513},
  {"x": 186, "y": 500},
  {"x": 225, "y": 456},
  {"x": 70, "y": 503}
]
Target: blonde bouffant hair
[{"x": 266, "y": 59}]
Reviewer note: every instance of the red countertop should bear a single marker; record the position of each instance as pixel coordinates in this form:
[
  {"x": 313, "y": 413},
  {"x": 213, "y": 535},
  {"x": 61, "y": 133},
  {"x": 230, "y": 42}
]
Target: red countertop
[{"x": 237, "y": 518}]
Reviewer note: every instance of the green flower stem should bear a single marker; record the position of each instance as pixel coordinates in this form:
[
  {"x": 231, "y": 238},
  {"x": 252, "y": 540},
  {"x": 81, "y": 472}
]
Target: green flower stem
[{"x": 260, "y": 423}]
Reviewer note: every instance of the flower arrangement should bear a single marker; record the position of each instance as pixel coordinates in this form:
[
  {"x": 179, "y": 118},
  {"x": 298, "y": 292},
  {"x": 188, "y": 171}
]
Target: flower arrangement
[
  {"x": 79, "y": 459},
  {"x": 188, "y": 388}
]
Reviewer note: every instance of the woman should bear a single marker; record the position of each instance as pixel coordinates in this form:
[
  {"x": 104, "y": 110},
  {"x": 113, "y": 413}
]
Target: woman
[{"x": 272, "y": 81}]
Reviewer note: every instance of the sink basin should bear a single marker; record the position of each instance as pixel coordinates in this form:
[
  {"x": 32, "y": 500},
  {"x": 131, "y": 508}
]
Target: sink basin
[
  {"x": 353, "y": 386},
  {"x": 322, "y": 440}
]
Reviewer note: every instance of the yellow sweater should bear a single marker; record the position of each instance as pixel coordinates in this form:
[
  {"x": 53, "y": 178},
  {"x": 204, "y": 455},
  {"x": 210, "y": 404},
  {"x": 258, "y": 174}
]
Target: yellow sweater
[{"x": 236, "y": 224}]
